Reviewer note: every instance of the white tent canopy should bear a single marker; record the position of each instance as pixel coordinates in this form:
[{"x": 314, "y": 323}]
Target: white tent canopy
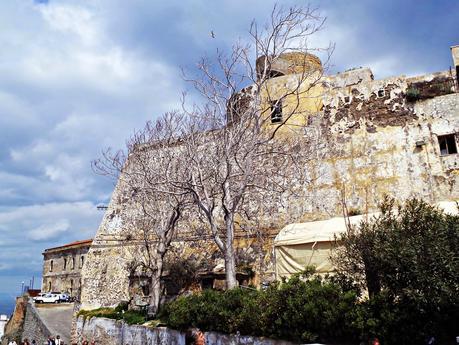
[{"x": 304, "y": 244}]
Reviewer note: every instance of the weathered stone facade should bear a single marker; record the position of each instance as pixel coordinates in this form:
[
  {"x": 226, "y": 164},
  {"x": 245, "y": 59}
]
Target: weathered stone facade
[
  {"x": 396, "y": 136},
  {"x": 62, "y": 267}
]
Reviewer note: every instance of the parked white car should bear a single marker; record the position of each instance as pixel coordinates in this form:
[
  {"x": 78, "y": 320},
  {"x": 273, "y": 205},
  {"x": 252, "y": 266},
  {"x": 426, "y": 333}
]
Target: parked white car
[
  {"x": 63, "y": 297},
  {"x": 48, "y": 298}
]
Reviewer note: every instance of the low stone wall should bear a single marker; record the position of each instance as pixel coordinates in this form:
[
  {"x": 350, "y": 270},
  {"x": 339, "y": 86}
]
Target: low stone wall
[
  {"x": 112, "y": 332},
  {"x": 34, "y": 326}
]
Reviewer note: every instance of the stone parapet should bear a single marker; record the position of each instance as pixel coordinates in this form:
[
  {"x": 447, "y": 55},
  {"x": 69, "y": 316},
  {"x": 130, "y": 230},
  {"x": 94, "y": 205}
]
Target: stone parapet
[{"x": 113, "y": 332}]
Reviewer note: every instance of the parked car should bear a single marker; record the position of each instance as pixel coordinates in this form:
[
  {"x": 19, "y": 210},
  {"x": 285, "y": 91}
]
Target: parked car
[
  {"x": 64, "y": 297},
  {"x": 48, "y": 298},
  {"x": 38, "y": 297}
]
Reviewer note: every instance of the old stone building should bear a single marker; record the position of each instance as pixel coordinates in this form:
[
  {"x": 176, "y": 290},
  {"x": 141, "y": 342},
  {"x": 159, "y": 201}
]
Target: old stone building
[
  {"x": 396, "y": 136},
  {"x": 62, "y": 267}
]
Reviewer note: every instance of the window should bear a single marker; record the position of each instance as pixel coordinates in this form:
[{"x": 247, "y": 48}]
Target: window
[
  {"x": 49, "y": 286},
  {"x": 447, "y": 144},
  {"x": 276, "y": 111},
  {"x": 274, "y": 74},
  {"x": 51, "y": 264},
  {"x": 65, "y": 264},
  {"x": 81, "y": 261},
  {"x": 73, "y": 263},
  {"x": 381, "y": 93}
]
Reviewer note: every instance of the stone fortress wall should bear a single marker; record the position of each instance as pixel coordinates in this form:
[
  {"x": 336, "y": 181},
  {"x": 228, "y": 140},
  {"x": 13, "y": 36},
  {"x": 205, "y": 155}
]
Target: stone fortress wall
[{"x": 396, "y": 136}]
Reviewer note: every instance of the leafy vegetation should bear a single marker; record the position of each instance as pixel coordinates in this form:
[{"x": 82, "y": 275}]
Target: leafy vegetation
[
  {"x": 412, "y": 94},
  {"x": 119, "y": 313},
  {"x": 407, "y": 259},
  {"x": 300, "y": 309}
]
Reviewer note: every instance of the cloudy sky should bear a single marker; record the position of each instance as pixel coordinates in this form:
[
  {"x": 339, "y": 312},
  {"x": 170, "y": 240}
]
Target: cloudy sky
[{"x": 78, "y": 76}]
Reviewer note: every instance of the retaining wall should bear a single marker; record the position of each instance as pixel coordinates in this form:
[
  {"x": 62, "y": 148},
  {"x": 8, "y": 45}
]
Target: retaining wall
[
  {"x": 34, "y": 327},
  {"x": 112, "y": 332}
]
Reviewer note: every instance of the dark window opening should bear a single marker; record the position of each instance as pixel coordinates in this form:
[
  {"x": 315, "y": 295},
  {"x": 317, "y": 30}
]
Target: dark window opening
[
  {"x": 81, "y": 261},
  {"x": 381, "y": 93},
  {"x": 276, "y": 111},
  {"x": 51, "y": 264},
  {"x": 65, "y": 264},
  {"x": 274, "y": 74},
  {"x": 447, "y": 144},
  {"x": 207, "y": 283},
  {"x": 73, "y": 263},
  {"x": 49, "y": 286},
  {"x": 146, "y": 289},
  {"x": 347, "y": 100}
]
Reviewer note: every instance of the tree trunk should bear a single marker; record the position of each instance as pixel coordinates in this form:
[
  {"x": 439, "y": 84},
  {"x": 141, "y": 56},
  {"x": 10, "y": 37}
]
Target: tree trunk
[
  {"x": 156, "y": 289},
  {"x": 230, "y": 257},
  {"x": 372, "y": 280}
]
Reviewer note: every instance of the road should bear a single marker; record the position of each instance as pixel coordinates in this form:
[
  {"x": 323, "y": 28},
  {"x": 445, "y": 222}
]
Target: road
[{"x": 58, "y": 318}]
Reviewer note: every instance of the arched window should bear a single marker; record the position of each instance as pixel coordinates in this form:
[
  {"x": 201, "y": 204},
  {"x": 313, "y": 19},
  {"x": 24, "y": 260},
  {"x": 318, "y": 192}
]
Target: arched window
[
  {"x": 81, "y": 261},
  {"x": 73, "y": 263},
  {"x": 65, "y": 264},
  {"x": 51, "y": 264}
]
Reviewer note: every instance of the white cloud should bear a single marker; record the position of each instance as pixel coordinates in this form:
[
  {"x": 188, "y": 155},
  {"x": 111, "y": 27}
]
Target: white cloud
[
  {"x": 49, "y": 231},
  {"x": 68, "y": 18},
  {"x": 25, "y": 231}
]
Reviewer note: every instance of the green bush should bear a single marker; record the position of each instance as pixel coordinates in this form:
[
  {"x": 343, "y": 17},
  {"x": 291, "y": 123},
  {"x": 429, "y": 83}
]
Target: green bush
[
  {"x": 119, "y": 313},
  {"x": 407, "y": 259},
  {"x": 298, "y": 310},
  {"x": 412, "y": 94}
]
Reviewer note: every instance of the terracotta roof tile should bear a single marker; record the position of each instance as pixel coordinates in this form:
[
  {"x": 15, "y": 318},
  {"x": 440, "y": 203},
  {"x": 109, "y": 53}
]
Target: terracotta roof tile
[{"x": 76, "y": 243}]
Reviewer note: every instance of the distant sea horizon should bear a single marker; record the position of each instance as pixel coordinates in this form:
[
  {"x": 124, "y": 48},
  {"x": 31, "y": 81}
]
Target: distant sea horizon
[{"x": 7, "y": 303}]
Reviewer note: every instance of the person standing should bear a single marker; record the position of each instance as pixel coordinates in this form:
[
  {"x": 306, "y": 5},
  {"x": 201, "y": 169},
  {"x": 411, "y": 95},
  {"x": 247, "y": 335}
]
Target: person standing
[{"x": 58, "y": 340}]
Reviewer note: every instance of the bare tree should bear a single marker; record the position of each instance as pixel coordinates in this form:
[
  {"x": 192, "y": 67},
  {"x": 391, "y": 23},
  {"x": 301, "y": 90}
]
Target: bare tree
[
  {"x": 153, "y": 207},
  {"x": 226, "y": 158},
  {"x": 241, "y": 158}
]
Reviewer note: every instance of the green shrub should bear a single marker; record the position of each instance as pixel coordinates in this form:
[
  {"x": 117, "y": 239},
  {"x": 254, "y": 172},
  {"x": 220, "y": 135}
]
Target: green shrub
[
  {"x": 100, "y": 312},
  {"x": 412, "y": 94},
  {"x": 298, "y": 310},
  {"x": 307, "y": 311},
  {"x": 407, "y": 259},
  {"x": 134, "y": 317},
  {"x": 129, "y": 316}
]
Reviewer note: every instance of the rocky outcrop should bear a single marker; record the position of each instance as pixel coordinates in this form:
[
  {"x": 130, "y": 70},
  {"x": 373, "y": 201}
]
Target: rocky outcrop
[{"x": 14, "y": 327}]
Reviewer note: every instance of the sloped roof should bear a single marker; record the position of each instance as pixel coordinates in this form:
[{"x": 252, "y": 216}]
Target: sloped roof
[{"x": 81, "y": 243}]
